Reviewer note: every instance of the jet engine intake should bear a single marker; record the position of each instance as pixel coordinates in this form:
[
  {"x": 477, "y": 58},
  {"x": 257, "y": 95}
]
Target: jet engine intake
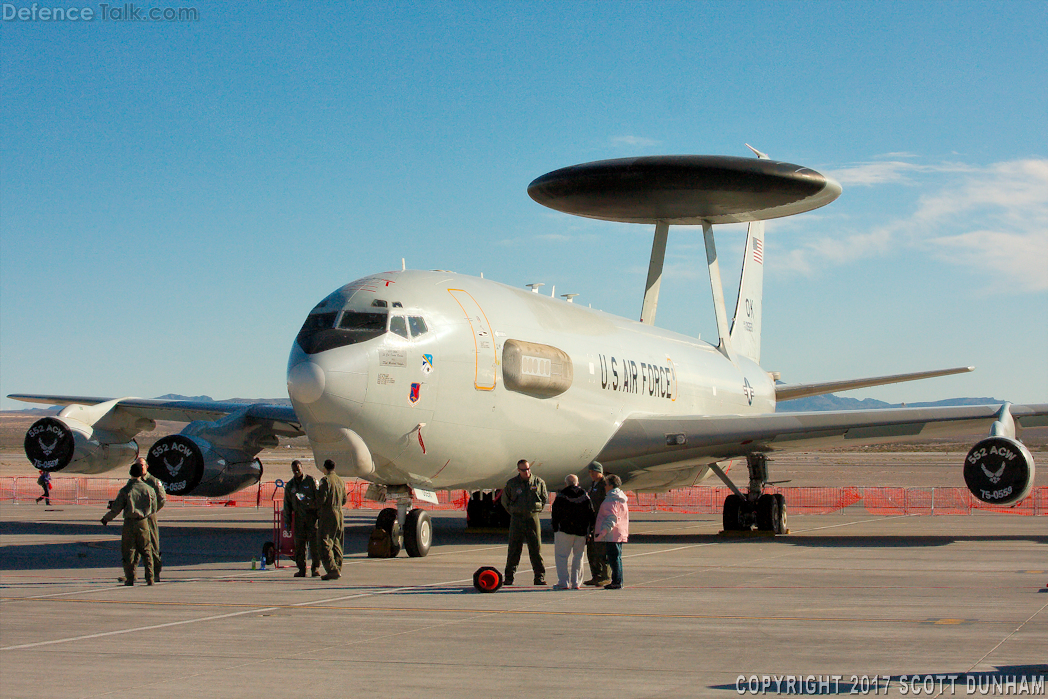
[
  {"x": 999, "y": 471},
  {"x": 189, "y": 465},
  {"x": 63, "y": 443}
]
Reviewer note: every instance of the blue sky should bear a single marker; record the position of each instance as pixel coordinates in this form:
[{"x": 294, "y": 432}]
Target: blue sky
[{"x": 176, "y": 196}]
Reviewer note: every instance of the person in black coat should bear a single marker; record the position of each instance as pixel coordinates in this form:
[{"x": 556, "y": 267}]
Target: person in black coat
[{"x": 572, "y": 518}]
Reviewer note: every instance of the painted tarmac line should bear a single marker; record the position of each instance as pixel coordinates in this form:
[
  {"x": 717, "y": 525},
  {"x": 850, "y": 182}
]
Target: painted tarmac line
[
  {"x": 257, "y": 610},
  {"x": 311, "y": 652},
  {"x": 525, "y": 611},
  {"x": 1003, "y": 640},
  {"x": 120, "y": 586},
  {"x": 153, "y": 627}
]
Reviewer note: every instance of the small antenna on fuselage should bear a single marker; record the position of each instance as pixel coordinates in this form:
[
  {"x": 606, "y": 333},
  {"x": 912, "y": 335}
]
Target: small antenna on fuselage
[
  {"x": 403, "y": 265},
  {"x": 535, "y": 287}
]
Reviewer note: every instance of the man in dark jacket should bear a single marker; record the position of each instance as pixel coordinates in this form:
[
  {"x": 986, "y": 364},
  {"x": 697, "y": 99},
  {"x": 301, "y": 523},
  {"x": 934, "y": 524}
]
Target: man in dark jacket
[
  {"x": 524, "y": 497},
  {"x": 300, "y": 517},
  {"x": 598, "y": 562},
  {"x": 572, "y": 516}
]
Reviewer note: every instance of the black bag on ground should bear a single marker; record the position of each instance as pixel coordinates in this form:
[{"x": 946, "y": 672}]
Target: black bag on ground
[{"x": 379, "y": 544}]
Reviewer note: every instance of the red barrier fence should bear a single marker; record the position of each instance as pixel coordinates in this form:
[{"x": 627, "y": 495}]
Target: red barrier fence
[{"x": 695, "y": 500}]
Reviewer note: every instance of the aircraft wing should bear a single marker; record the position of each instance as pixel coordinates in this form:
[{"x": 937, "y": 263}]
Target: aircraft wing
[
  {"x": 644, "y": 442},
  {"x": 790, "y": 391},
  {"x": 282, "y": 417}
]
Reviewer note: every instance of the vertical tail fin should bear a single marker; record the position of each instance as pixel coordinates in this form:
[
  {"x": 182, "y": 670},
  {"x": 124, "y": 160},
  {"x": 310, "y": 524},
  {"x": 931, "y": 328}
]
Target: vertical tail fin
[{"x": 746, "y": 325}]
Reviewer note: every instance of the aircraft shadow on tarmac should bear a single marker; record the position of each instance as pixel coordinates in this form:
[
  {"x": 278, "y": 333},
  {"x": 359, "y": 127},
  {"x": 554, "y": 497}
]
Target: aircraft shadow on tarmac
[
  {"x": 833, "y": 541},
  {"x": 229, "y": 540},
  {"x": 964, "y": 683},
  {"x": 83, "y": 545}
]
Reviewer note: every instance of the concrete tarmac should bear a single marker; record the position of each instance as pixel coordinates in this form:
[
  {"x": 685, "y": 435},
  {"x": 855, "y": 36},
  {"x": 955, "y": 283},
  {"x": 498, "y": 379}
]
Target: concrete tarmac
[{"x": 863, "y": 599}]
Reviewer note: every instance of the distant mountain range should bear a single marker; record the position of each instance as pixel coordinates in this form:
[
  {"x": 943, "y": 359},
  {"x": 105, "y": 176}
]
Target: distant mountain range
[
  {"x": 831, "y": 401},
  {"x": 268, "y": 401},
  {"x": 799, "y": 405}
]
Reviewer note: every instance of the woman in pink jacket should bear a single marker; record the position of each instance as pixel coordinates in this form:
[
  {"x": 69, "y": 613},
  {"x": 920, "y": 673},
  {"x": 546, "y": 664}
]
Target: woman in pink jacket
[{"x": 613, "y": 527}]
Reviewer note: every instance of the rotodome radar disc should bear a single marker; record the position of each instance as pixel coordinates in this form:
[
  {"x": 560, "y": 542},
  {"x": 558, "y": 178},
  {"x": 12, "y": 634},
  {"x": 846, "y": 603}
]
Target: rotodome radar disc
[{"x": 684, "y": 189}]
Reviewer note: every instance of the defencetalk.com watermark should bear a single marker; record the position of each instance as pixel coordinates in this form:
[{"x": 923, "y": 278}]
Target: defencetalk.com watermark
[{"x": 104, "y": 12}]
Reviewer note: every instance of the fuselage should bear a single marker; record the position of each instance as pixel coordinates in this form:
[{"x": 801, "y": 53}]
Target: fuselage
[{"x": 440, "y": 380}]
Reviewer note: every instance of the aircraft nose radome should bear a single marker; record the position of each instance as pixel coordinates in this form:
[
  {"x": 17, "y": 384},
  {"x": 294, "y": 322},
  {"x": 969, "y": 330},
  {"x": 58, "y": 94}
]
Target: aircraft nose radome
[{"x": 306, "y": 382}]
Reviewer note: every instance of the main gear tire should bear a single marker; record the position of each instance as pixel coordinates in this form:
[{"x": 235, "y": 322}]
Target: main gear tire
[
  {"x": 767, "y": 512},
  {"x": 418, "y": 533},
  {"x": 733, "y": 513},
  {"x": 779, "y": 524}
]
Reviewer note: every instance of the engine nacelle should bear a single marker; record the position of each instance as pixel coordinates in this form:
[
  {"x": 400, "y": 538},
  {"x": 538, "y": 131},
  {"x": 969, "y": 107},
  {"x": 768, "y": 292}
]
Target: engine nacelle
[
  {"x": 189, "y": 465},
  {"x": 999, "y": 471},
  {"x": 63, "y": 443}
]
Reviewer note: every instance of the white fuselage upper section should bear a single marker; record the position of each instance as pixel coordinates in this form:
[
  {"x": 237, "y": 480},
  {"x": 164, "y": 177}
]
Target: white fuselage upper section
[{"x": 436, "y": 408}]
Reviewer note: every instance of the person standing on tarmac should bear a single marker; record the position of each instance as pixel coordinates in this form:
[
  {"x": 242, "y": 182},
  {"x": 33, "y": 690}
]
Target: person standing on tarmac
[
  {"x": 44, "y": 481},
  {"x": 331, "y": 496},
  {"x": 300, "y": 517},
  {"x": 154, "y": 527},
  {"x": 524, "y": 497},
  {"x": 613, "y": 528},
  {"x": 571, "y": 519},
  {"x": 598, "y": 561},
  {"x": 137, "y": 502}
]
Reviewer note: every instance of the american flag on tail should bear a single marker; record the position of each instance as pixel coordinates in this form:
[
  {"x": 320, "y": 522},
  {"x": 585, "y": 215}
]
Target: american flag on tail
[{"x": 758, "y": 251}]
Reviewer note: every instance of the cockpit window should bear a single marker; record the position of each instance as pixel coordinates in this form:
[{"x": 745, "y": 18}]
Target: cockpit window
[
  {"x": 319, "y": 332},
  {"x": 417, "y": 325},
  {"x": 379, "y": 303},
  {"x": 397, "y": 304},
  {"x": 369, "y": 324},
  {"x": 399, "y": 326},
  {"x": 320, "y": 321}
]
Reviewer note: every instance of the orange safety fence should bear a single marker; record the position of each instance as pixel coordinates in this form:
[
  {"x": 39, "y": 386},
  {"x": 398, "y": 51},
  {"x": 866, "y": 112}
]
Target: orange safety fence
[{"x": 80, "y": 490}]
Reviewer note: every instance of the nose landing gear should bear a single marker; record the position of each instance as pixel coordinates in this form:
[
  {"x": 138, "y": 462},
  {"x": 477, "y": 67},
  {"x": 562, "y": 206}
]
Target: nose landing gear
[{"x": 408, "y": 528}]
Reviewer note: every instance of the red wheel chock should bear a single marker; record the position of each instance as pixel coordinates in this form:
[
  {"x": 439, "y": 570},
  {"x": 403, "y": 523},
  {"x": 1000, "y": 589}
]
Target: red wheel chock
[{"x": 487, "y": 579}]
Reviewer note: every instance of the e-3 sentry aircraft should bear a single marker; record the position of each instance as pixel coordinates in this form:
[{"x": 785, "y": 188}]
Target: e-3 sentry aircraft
[{"x": 419, "y": 381}]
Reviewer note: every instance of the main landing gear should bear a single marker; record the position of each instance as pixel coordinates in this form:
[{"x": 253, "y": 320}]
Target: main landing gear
[
  {"x": 742, "y": 512},
  {"x": 484, "y": 510},
  {"x": 407, "y": 527}
]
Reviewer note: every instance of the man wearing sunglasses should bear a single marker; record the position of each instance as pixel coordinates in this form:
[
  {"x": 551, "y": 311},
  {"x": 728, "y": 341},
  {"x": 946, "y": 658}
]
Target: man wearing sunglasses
[{"x": 524, "y": 497}]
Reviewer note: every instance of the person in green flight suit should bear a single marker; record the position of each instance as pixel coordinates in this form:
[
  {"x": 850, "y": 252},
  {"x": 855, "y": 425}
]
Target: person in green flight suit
[
  {"x": 137, "y": 502},
  {"x": 154, "y": 527},
  {"x": 524, "y": 496},
  {"x": 300, "y": 517},
  {"x": 331, "y": 496}
]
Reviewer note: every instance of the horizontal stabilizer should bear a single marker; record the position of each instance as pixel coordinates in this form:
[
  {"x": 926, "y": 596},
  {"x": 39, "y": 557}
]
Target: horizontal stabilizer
[{"x": 803, "y": 390}]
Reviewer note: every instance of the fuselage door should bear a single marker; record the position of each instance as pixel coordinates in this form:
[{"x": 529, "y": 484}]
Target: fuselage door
[{"x": 483, "y": 339}]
